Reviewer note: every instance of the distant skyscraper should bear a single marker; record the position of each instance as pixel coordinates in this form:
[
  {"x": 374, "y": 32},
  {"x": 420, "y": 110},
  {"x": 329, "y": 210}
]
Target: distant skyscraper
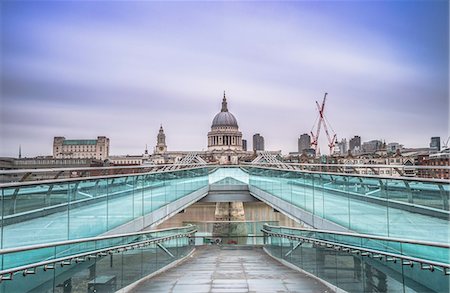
[
  {"x": 304, "y": 142},
  {"x": 355, "y": 143},
  {"x": 435, "y": 143},
  {"x": 244, "y": 144},
  {"x": 258, "y": 142},
  {"x": 342, "y": 147}
]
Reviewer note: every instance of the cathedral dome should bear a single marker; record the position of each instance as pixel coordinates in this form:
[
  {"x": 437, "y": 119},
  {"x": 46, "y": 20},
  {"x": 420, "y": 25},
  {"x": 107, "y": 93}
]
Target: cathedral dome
[
  {"x": 224, "y": 118},
  {"x": 224, "y": 134}
]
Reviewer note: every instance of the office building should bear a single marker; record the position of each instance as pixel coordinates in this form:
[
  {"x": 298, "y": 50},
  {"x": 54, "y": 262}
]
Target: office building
[
  {"x": 258, "y": 142},
  {"x": 342, "y": 147},
  {"x": 435, "y": 144},
  {"x": 355, "y": 144},
  {"x": 304, "y": 142},
  {"x": 372, "y": 146}
]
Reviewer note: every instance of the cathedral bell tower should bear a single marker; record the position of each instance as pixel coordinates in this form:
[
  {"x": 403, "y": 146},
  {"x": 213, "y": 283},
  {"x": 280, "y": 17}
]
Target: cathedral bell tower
[{"x": 161, "y": 146}]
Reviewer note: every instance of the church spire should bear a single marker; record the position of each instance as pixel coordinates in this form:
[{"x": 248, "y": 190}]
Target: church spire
[{"x": 224, "y": 103}]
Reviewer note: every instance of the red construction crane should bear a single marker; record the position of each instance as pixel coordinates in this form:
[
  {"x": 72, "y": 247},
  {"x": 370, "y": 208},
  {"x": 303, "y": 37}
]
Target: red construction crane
[{"x": 322, "y": 120}]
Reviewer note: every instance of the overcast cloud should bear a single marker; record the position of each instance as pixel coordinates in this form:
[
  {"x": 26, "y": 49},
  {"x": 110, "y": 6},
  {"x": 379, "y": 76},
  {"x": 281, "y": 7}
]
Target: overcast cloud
[{"x": 84, "y": 69}]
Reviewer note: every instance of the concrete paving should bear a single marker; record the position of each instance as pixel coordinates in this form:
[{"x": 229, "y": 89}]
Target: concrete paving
[{"x": 212, "y": 269}]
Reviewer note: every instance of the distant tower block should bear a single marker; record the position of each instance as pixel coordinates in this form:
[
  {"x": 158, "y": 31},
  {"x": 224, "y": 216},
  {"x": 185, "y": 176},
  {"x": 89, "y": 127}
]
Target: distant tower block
[{"x": 161, "y": 146}]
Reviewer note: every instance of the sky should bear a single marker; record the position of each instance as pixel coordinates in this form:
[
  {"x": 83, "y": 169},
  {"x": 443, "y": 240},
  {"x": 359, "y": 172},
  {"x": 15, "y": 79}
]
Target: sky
[{"x": 122, "y": 68}]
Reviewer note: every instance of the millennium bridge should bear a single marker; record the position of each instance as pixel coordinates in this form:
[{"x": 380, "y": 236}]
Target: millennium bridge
[{"x": 96, "y": 230}]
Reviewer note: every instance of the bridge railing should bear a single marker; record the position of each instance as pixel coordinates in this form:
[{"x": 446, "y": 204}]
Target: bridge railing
[
  {"x": 363, "y": 263},
  {"x": 98, "y": 264},
  {"x": 377, "y": 170},
  {"x": 433, "y": 193},
  {"x": 229, "y": 232},
  {"x": 367, "y": 204},
  {"x": 25, "y": 175},
  {"x": 367, "y": 170},
  {"x": 145, "y": 192},
  {"x": 63, "y": 209}
]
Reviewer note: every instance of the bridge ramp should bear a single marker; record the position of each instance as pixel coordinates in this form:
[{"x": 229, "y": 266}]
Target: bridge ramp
[{"x": 249, "y": 269}]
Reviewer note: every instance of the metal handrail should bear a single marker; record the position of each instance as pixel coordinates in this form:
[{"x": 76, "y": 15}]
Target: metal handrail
[
  {"x": 214, "y": 164},
  {"x": 388, "y": 256},
  {"x": 266, "y": 166},
  {"x": 44, "y": 170},
  {"x": 432, "y": 180},
  {"x": 354, "y": 165},
  {"x": 367, "y": 236},
  {"x": 76, "y": 179},
  {"x": 89, "y": 239},
  {"x": 89, "y": 254},
  {"x": 2, "y": 172},
  {"x": 227, "y": 221}
]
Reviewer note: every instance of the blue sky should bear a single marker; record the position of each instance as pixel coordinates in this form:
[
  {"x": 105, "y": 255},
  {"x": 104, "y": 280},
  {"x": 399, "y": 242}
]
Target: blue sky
[{"x": 83, "y": 69}]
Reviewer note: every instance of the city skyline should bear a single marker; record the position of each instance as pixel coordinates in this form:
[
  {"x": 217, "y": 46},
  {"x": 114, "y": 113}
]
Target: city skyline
[{"x": 81, "y": 70}]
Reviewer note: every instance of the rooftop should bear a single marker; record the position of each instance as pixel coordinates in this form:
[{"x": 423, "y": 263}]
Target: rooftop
[{"x": 80, "y": 142}]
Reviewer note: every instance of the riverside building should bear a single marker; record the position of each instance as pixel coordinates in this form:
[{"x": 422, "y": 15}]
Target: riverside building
[{"x": 81, "y": 148}]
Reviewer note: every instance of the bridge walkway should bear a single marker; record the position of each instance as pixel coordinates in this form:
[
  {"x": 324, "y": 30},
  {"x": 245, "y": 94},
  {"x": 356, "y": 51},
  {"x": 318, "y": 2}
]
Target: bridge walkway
[{"x": 231, "y": 269}]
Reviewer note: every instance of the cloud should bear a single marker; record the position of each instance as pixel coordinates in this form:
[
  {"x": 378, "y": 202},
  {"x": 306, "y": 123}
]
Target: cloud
[{"x": 128, "y": 70}]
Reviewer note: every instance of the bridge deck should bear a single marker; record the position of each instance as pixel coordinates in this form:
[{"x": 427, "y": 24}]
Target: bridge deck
[{"x": 212, "y": 269}]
